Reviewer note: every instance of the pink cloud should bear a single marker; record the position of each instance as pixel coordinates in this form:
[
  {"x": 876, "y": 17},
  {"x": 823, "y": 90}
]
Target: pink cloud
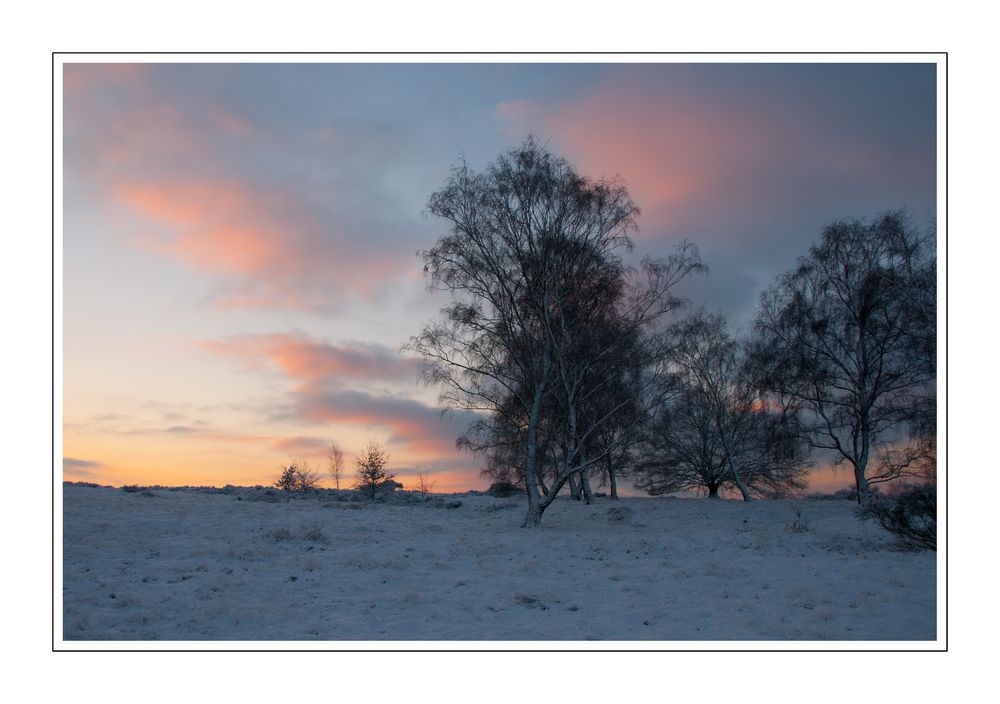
[
  {"x": 177, "y": 168},
  {"x": 82, "y": 77},
  {"x": 322, "y": 374},
  {"x": 312, "y": 362},
  {"x": 215, "y": 226},
  {"x": 419, "y": 428},
  {"x": 272, "y": 249},
  {"x": 118, "y": 121},
  {"x": 689, "y": 160}
]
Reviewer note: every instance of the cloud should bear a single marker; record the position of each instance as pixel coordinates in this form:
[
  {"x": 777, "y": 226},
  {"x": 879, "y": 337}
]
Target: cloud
[
  {"x": 74, "y": 463},
  {"x": 220, "y": 186},
  {"x": 322, "y": 374},
  {"x": 747, "y": 161},
  {"x": 421, "y": 428},
  {"x": 302, "y": 445},
  {"x": 270, "y": 248},
  {"x": 85, "y": 469},
  {"x": 310, "y": 361},
  {"x": 714, "y": 152}
]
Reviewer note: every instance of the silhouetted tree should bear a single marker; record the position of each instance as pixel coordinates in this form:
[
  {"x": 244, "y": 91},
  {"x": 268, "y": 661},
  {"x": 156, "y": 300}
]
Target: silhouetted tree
[
  {"x": 717, "y": 430},
  {"x": 289, "y": 479},
  {"x": 531, "y": 241},
  {"x": 372, "y": 472},
  {"x": 298, "y": 475},
  {"x": 845, "y": 340}
]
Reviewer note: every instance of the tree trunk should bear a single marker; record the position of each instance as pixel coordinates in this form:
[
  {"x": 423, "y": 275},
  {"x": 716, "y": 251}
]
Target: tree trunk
[
  {"x": 713, "y": 491},
  {"x": 533, "y": 518},
  {"x": 739, "y": 483},
  {"x": 574, "y": 486},
  {"x": 530, "y": 470},
  {"x": 729, "y": 460},
  {"x": 588, "y": 495},
  {"x": 861, "y": 483},
  {"x": 541, "y": 484},
  {"x": 864, "y": 491},
  {"x": 614, "y": 484}
]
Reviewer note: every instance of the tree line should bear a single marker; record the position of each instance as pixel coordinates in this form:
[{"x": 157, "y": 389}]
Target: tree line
[{"x": 582, "y": 368}]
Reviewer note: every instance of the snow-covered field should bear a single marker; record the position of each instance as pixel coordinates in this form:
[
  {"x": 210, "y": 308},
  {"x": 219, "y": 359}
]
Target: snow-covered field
[{"x": 189, "y": 565}]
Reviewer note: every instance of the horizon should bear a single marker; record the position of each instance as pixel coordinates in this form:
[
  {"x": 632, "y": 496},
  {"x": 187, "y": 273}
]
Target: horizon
[{"x": 239, "y": 239}]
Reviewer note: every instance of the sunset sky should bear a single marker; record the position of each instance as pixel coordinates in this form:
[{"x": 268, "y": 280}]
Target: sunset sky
[{"x": 239, "y": 240}]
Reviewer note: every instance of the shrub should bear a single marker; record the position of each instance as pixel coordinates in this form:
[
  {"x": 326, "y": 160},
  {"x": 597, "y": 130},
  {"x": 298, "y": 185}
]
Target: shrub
[
  {"x": 297, "y": 476},
  {"x": 503, "y": 489},
  {"x": 620, "y": 514},
  {"x": 910, "y": 516},
  {"x": 799, "y": 524}
]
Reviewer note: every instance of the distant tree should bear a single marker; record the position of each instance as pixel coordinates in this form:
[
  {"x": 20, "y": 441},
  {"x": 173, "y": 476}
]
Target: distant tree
[
  {"x": 335, "y": 463},
  {"x": 845, "y": 340},
  {"x": 424, "y": 482},
  {"x": 297, "y": 475},
  {"x": 372, "y": 472},
  {"x": 288, "y": 479},
  {"x": 620, "y": 462}
]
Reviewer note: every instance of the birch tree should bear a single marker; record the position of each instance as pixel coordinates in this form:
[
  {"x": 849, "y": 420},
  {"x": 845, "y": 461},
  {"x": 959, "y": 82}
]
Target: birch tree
[
  {"x": 530, "y": 240},
  {"x": 335, "y": 463},
  {"x": 839, "y": 340},
  {"x": 717, "y": 430}
]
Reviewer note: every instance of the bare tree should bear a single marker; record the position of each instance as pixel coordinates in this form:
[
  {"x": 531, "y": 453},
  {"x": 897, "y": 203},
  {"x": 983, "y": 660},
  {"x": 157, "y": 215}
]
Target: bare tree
[
  {"x": 607, "y": 356},
  {"x": 619, "y": 462},
  {"x": 372, "y": 472},
  {"x": 424, "y": 482},
  {"x": 719, "y": 430},
  {"x": 335, "y": 463},
  {"x": 843, "y": 340},
  {"x": 528, "y": 236}
]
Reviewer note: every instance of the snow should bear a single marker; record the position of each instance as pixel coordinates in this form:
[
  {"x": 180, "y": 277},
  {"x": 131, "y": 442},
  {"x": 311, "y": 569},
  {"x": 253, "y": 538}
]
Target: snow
[{"x": 192, "y": 565}]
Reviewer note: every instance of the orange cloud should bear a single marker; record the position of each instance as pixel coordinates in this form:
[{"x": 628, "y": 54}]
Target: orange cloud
[
  {"x": 311, "y": 361},
  {"x": 302, "y": 445},
  {"x": 274, "y": 251}
]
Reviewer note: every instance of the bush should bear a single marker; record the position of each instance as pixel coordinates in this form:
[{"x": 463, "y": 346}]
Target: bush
[
  {"x": 848, "y": 494},
  {"x": 503, "y": 489},
  {"x": 910, "y": 515},
  {"x": 620, "y": 514},
  {"x": 799, "y": 524},
  {"x": 297, "y": 476}
]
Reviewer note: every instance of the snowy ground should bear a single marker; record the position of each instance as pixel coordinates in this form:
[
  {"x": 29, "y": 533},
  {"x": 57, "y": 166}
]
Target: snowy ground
[{"x": 188, "y": 565}]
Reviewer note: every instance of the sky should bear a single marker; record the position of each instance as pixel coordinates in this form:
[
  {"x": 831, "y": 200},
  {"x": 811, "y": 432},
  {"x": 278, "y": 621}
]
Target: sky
[{"x": 240, "y": 241}]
